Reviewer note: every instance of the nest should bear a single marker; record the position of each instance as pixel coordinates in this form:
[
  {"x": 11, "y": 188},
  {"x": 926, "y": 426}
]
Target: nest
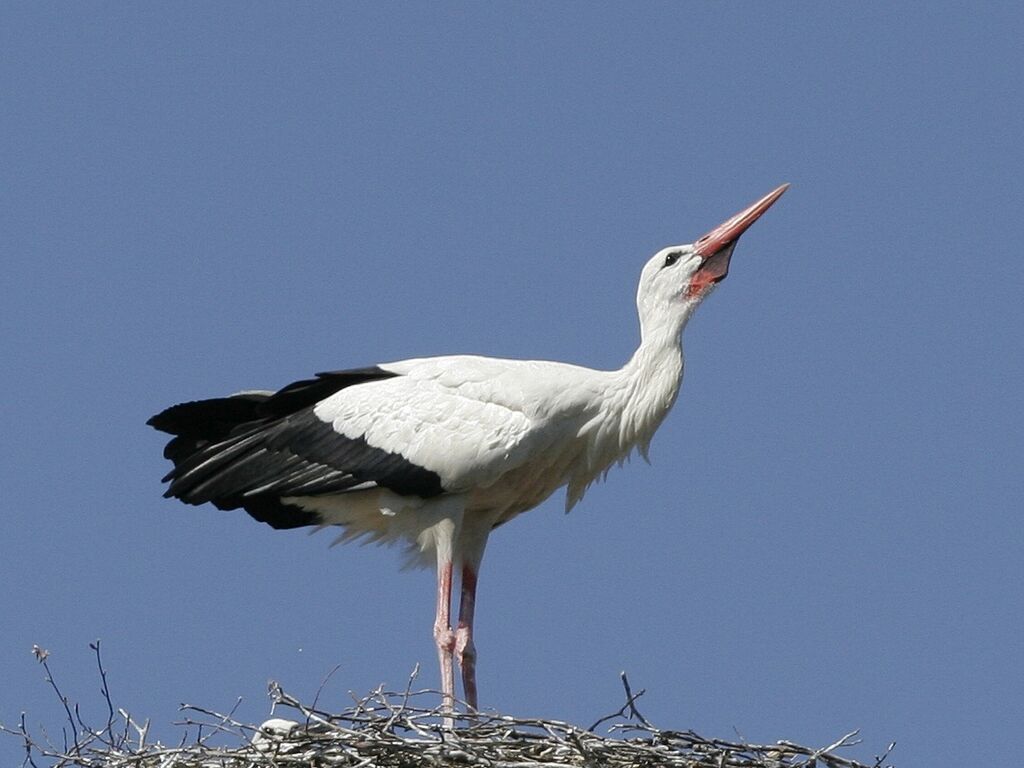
[{"x": 397, "y": 729}]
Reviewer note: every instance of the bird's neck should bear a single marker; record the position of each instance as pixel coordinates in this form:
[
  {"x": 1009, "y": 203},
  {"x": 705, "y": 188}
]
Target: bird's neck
[
  {"x": 649, "y": 386},
  {"x": 637, "y": 398}
]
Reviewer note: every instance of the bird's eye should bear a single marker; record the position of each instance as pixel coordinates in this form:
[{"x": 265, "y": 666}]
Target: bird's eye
[{"x": 671, "y": 259}]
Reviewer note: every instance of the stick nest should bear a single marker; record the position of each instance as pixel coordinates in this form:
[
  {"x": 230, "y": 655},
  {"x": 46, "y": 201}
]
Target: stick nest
[{"x": 395, "y": 730}]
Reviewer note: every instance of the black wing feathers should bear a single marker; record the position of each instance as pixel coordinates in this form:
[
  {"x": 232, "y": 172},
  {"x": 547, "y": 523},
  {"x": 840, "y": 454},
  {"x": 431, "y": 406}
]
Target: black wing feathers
[
  {"x": 202, "y": 422},
  {"x": 309, "y": 392},
  {"x": 251, "y": 449}
]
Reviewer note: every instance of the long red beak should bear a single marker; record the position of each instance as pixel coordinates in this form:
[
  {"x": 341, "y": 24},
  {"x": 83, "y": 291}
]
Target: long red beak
[
  {"x": 716, "y": 246},
  {"x": 729, "y": 231}
]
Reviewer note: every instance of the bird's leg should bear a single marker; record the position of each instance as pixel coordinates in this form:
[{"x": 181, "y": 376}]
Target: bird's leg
[
  {"x": 445, "y": 532},
  {"x": 465, "y": 651},
  {"x": 443, "y": 635},
  {"x": 473, "y": 540}
]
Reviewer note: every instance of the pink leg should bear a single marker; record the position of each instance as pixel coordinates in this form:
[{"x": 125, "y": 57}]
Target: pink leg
[
  {"x": 443, "y": 635},
  {"x": 465, "y": 651}
]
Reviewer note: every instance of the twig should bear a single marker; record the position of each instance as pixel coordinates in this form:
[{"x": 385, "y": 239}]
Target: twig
[
  {"x": 885, "y": 755},
  {"x": 214, "y": 728},
  {"x": 316, "y": 698},
  {"x": 389, "y": 728},
  {"x": 104, "y": 688},
  {"x": 631, "y": 700},
  {"x": 629, "y": 706},
  {"x": 28, "y": 744},
  {"x": 42, "y": 655}
]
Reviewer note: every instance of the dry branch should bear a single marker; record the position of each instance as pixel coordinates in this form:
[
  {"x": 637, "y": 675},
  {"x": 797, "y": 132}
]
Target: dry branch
[{"x": 388, "y": 729}]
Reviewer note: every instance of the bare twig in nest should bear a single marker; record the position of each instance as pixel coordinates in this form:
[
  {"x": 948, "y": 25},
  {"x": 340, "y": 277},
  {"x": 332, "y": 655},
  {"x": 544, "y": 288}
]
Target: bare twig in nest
[
  {"x": 392, "y": 729},
  {"x": 42, "y": 655},
  {"x": 104, "y": 688},
  {"x": 629, "y": 707}
]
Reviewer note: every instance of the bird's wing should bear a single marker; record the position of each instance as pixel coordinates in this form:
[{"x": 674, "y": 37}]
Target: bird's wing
[
  {"x": 467, "y": 419},
  {"x": 419, "y": 427}
]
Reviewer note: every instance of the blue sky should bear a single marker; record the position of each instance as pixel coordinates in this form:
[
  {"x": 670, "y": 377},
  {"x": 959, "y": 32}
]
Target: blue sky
[{"x": 201, "y": 198}]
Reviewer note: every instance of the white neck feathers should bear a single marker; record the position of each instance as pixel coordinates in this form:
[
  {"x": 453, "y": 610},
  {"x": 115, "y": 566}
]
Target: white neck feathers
[{"x": 638, "y": 397}]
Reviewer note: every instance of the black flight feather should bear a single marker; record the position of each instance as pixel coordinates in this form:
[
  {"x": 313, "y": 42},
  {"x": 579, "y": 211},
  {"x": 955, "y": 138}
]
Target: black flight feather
[{"x": 251, "y": 449}]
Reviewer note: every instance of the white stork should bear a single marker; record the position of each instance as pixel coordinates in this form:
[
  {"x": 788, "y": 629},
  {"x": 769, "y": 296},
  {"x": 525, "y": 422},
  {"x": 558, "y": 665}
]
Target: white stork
[{"x": 438, "y": 451}]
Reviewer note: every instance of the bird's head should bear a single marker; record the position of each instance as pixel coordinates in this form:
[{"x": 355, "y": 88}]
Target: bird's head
[{"x": 679, "y": 277}]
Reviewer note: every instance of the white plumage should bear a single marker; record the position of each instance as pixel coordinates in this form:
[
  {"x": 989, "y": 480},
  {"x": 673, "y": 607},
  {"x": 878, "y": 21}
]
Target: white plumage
[{"x": 438, "y": 451}]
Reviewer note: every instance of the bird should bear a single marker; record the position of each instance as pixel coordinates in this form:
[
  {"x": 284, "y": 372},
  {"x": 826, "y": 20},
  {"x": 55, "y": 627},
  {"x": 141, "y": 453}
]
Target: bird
[{"x": 436, "y": 452}]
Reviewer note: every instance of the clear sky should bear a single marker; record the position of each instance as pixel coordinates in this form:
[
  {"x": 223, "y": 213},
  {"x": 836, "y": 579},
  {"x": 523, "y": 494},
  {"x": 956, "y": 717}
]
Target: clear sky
[{"x": 198, "y": 198}]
